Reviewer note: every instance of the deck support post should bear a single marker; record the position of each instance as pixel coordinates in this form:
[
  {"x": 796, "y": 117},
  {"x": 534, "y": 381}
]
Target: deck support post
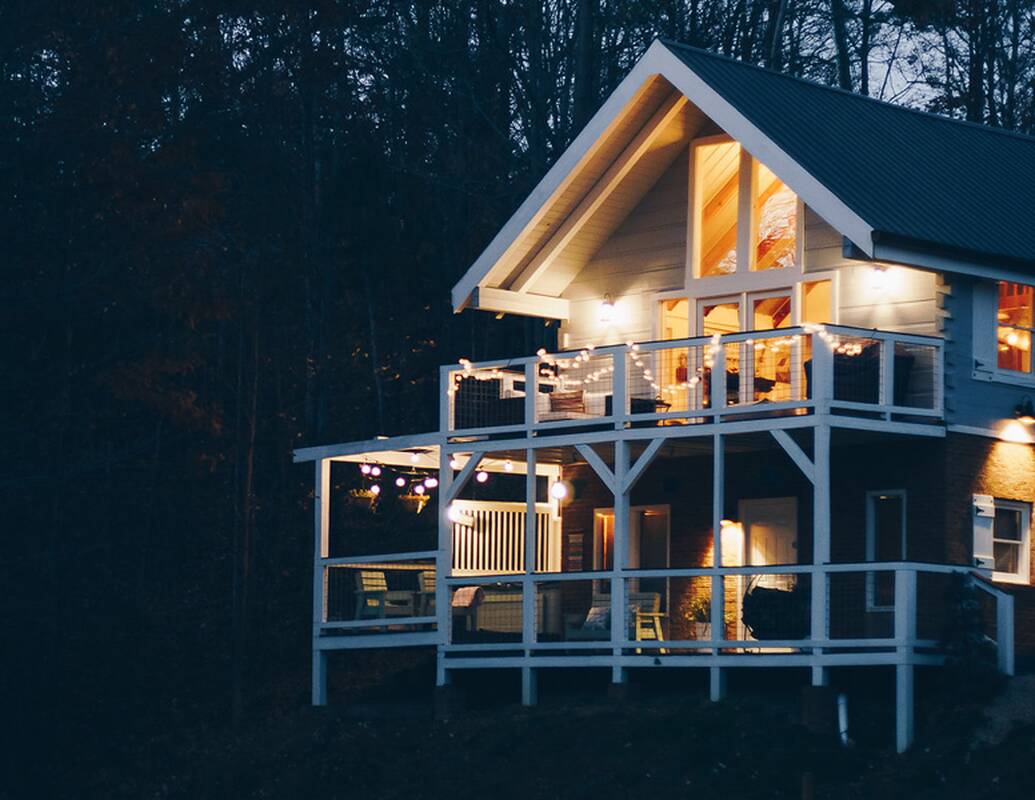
[
  {"x": 619, "y": 625},
  {"x": 718, "y": 596},
  {"x": 319, "y": 677},
  {"x": 321, "y": 544},
  {"x": 444, "y": 562},
  {"x": 529, "y": 686},
  {"x": 905, "y": 634},
  {"x": 528, "y": 590},
  {"x": 904, "y": 707},
  {"x": 717, "y": 684},
  {"x": 820, "y": 543}
]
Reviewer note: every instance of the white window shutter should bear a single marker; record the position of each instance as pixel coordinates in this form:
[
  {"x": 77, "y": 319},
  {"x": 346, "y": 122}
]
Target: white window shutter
[{"x": 984, "y": 521}]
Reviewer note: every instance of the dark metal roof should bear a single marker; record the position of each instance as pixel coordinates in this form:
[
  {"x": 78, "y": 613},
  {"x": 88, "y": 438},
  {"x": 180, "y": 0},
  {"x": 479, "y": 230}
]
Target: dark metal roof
[{"x": 938, "y": 183}]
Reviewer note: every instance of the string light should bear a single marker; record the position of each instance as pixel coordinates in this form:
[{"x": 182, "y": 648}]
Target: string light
[
  {"x": 431, "y": 483},
  {"x": 375, "y": 471},
  {"x": 418, "y": 489},
  {"x": 454, "y": 463},
  {"x": 375, "y": 489},
  {"x": 482, "y": 476},
  {"x": 365, "y": 469},
  {"x": 400, "y": 481}
]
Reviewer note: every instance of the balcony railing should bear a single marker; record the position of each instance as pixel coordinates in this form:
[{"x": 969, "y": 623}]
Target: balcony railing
[
  {"x": 860, "y": 613},
  {"x": 701, "y": 380}
]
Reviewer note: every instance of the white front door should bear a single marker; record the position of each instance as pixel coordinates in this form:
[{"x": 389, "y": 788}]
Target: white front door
[{"x": 770, "y": 527}]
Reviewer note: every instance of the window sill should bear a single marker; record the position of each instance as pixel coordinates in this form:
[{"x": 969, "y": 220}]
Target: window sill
[
  {"x": 1006, "y": 577},
  {"x": 1004, "y": 376}
]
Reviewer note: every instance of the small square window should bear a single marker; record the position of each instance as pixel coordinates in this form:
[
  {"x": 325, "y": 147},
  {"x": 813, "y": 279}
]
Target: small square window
[{"x": 1011, "y": 541}]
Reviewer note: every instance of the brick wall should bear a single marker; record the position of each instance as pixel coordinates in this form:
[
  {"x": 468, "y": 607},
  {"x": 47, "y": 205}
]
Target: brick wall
[{"x": 979, "y": 465}]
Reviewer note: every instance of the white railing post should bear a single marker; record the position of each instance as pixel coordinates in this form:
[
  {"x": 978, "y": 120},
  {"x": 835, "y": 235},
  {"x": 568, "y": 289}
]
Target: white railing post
[
  {"x": 445, "y": 393},
  {"x": 820, "y": 543},
  {"x": 619, "y": 404},
  {"x": 619, "y": 626},
  {"x": 443, "y": 564},
  {"x": 822, "y": 375},
  {"x": 718, "y": 397},
  {"x": 321, "y": 550},
  {"x": 718, "y": 589},
  {"x": 887, "y": 372},
  {"x": 529, "y": 599},
  {"x": 531, "y": 391},
  {"x": 905, "y": 637},
  {"x": 1004, "y": 631}
]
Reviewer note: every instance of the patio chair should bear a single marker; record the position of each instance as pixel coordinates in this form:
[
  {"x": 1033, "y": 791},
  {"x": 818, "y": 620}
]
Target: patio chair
[
  {"x": 426, "y": 593},
  {"x": 375, "y": 601}
]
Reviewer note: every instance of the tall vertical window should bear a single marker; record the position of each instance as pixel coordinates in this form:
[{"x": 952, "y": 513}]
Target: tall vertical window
[
  {"x": 675, "y": 319},
  {"x": 1015, "y": 326},
  {"x": 775, "y": 215},
  {"x": 717, "y": 198},
  {"x": 885, "y": 541},
  {"x": 1011, "y": 541}
]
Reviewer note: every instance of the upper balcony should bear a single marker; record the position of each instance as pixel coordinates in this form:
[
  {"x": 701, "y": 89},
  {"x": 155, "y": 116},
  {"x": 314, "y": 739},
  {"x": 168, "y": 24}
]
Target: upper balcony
[{"x": 704, "y": 380}]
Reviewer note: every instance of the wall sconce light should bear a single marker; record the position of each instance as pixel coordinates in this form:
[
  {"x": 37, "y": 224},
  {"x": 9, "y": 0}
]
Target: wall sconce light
[
  {"x": 879, "y": 278},
  {"x": 1024, "y": 411},
  {"x": 607, "y": 310},
  {"x": 561, "y": 490}
]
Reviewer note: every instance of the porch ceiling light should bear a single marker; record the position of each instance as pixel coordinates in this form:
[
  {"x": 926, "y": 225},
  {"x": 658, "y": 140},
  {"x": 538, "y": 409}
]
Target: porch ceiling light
[{"x": 560, "y": 490}]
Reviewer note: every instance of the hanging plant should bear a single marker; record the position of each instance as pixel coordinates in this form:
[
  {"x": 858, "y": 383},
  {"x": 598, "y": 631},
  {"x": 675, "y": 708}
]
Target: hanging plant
[
  {"x": 364, "y": 498},
  {"x": 413, "y": 502}
]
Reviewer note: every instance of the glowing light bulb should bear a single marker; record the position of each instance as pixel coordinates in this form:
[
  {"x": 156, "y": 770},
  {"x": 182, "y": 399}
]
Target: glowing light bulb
[
  {"x": 558, "y": 490},
  {"x": 400, "y": 481},
  {"x": 454, "y": 463},
  {"x": 431, "y": 483},
  {"x": 508, "y": 466},
  {"x": 607, "y": 311},
  {"x": 482, "y": 476},
  {"x": 454, "y": 513},
  {"x": 414, "y": 458},
  {"x": 375, "y": 471},
  {"x": 375, "y": 490},
  {"x": 365, "y": 469},
  {"x": 418, "y": 489}
]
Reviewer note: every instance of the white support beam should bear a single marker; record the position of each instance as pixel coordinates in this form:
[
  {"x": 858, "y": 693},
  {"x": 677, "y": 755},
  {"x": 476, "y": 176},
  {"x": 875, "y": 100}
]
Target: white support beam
[
  {"x": 523, "y": 304},
  {"x": 716, "y": 684},
  {"x": 619, "y": 631},
  {"x": 528, "y": 590},
  {"x": 601, "y": 190},
  {"x": 796, "y": 453},
  {"x": 644, "y": 461},
  {"x": 448, "y": 485},
  {"x": 718, "y": 599},
  {"x": 450, "y": 489},
  {"x": 820, "y": 542},
  {"x": 321, "y": 545},
  {"x": 529, "y": 686},
  {"x": 608, "y": 478}
]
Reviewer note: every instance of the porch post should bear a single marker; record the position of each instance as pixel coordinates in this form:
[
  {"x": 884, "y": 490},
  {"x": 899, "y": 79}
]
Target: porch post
[
  {"x": 820, "y": 545},
  {"x": 528, "y": 591},
  {"x": 321, "y": 544},
  {"x": 718, "y": 601},
  {"x": 443, "y": 565},
  {"x": 905, "y": 635},
  {"x": 619, "y": 626}
]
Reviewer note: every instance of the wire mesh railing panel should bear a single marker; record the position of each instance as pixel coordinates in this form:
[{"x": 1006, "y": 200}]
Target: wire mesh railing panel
[
  {"x": 575, "y": 387},
  {"x": 382, "y": 591},
  {"x": 690, "y": 604},
  {"x": 487, "y": 613},
  {"x": 857, "y": 366},
  {"x": 573, "y": 611},
  {"x": 768, "y": 607},
  {"x": 915, "y": 375},
  {"x": 666, "y": 379},
  {"x": 486, "y": 397},
  {"x": 861, "y": 605},
  {"x": 772, "y": 370}
]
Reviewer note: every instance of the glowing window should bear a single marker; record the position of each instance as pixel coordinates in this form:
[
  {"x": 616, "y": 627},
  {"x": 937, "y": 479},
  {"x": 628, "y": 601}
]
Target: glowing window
[
  {"x": 720, "y": 318},
  {"x": 675, "y": 319},
  {"x": 1015, "y": 325},
  {"x": 816, "y": 302},
  {"x": 771, "y": 312},
  {"x": 717, "y": 175},
  {"x": 775, "y": 211}
]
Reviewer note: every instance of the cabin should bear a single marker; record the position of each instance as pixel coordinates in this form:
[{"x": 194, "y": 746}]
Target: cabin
[{"x": 789, "y": 421}]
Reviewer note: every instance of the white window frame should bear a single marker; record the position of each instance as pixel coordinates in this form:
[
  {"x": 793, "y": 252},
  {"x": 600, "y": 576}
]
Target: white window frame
[
  {"x": 749, "y": 279},
  {"x": 1023, "y": 574},
  {"x": 871, "y": 542}
]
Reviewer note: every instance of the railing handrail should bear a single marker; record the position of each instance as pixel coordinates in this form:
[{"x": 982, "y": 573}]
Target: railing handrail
[{"x": 692, "y": 341}]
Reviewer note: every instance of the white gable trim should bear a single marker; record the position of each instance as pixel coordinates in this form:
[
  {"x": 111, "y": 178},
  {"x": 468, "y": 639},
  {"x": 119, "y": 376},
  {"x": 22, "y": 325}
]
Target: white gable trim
[{"x": 659, "y": 60}]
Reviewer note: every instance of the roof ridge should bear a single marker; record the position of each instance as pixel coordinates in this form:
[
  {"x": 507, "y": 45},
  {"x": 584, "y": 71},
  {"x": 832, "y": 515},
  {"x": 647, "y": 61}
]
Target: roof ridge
[{"x": 816, "y": 84}]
